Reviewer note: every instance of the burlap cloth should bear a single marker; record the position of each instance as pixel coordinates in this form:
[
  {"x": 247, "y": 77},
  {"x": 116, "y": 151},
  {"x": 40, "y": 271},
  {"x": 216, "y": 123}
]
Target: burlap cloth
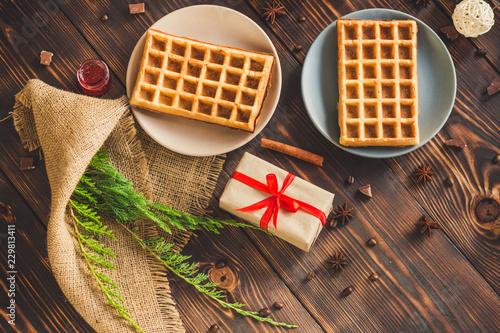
[{"x": 70, "y": 129}]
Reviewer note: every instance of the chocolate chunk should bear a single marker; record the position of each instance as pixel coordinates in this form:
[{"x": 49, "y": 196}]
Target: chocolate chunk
[
  {"x": 457, "y": 142},
  {"x": 496, "y": 159},
  {"x": 297, "y": 48},
  {"x": 366, "y": 190},
  {"x": 494, "y": 86},
  {"x": 347, "y": 291},
  {"x": 46, "y": 58},
  {"x": 373, "y": 277},
  {"x": 449, "y": 182},
  {"x": 27, "y": 163},
  {"x": 481, "y": 52},
  {"x": 213, "y": 329},
  {"x": 450, "y": 32},
  {"x": 137, "y": 8},
  {"x": 371, "y": 242},
  {"x": 278, "y": 305},
  {"x": 264, "y": 312},
  {"x": 104, "y": 18},
  {"x": 301, "y": 19},
  {"x": 350, "y": 180}
]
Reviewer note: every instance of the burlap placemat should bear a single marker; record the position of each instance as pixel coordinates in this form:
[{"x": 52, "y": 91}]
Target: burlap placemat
[{"x": 70, "y": 129}]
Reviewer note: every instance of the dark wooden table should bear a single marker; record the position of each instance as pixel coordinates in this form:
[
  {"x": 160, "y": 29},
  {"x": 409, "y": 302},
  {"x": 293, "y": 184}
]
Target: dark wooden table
[{"x": 448, "y": 282}]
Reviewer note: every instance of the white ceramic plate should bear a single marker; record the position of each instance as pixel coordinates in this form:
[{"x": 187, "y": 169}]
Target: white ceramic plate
[
  {"x": 437, "y": 83},
  {"x": 217, "y": 25}
]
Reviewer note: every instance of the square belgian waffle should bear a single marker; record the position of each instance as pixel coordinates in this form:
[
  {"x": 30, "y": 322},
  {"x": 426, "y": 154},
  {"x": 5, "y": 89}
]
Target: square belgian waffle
[
  {"x": 378, "y": 87},
  {"x": 202, "y": 81}
]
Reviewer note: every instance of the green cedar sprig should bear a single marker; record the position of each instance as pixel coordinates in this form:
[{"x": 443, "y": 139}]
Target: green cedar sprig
[
  {"x": 102, "y": 188},
  {"x": 95, "y": 254},
  {"x": 111, "y": 193},
  {"x": 177, "y": 264}
]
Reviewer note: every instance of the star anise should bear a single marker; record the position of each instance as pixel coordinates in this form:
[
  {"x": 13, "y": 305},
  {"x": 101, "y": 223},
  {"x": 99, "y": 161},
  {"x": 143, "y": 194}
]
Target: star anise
[
  {"x": 337, "y": 261},
  {"x": 428, "y": 225},
  {"x": 273, "y": 9},
  {"x": 423, "y": 173},
  {"x": 342, "y": 213}
]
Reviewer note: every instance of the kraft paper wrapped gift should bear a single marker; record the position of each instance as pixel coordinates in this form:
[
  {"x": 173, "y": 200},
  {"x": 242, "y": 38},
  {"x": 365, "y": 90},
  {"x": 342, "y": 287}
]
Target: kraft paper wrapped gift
[{"x": 300, "y": 228}]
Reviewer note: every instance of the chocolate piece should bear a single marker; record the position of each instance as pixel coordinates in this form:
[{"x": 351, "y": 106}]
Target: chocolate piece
[
  {"x": 347, "y": 291},
  {"x": 297, "y": 48},
  {"x": 136, "y": 8},
  {"x": 213, "y": 329},
  {"x": 450, "y": 32},
  {"x": 278, "y": 305},
  {"x": 104, "y": 18},
  {"x": 373, "y": 277},
  {"x": 496, "y": 159},
  {"x": 366, "y": 190},
  {"x": 481, "y": 52},
  {"x": 264, "y": 312},
  {"x": 46, "y": 58},
  {"x": 26, "y": 163},
  {"x": 449, "y": 182},
  {"x": 310, "y": 276},
  {"x": 301, "y": 19},
  {"x": 350, "y": 180},
  {"x": 371, "y": 242},
  {"x": 457, "y": 142},
  {"x": 494, "y": 86},
  {"x": 220, "y": 264}
]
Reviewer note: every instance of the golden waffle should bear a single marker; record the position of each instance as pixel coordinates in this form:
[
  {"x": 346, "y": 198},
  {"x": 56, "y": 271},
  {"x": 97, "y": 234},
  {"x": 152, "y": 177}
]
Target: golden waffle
[
  {"x": 378, "y": 88},
  {"x": 196, "y": 80}
]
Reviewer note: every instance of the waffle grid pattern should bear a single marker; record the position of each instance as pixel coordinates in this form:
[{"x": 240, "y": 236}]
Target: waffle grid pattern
[
  {"x": 202, "y": 81},
  {"x": 377, "y": 66}
]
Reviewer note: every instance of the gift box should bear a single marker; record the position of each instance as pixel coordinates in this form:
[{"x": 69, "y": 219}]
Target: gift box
[{"x": 267, "y": 196}]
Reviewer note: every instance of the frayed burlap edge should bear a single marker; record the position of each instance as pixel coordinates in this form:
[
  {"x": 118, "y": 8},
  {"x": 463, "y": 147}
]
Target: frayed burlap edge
[
  {"x": 24, "y": 122},
  {"x": 22, "y": 116},
  {"x": 180, "y": 238}
]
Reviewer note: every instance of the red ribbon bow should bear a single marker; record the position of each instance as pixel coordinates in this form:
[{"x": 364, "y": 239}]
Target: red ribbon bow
[{"x": 277, "y": 200}]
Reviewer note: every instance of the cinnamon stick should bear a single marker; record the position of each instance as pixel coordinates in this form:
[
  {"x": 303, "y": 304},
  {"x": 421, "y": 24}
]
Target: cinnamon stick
[{"x": 292, "y": 151}]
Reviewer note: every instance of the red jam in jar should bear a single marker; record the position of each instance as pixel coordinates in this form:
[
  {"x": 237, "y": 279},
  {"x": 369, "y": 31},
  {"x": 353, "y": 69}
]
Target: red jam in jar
[{"x": 94, "y": 77}]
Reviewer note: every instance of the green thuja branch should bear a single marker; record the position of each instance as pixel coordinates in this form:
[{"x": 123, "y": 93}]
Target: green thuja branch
[
  {"x": 177, "y": 264},
  {"x": 102, "y": 188},
  {"x": 88, "y": 220}
]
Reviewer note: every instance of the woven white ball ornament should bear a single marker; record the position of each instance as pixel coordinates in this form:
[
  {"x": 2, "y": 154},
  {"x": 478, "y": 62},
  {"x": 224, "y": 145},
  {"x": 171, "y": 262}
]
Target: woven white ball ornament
[{"x": 473, "y": 18}]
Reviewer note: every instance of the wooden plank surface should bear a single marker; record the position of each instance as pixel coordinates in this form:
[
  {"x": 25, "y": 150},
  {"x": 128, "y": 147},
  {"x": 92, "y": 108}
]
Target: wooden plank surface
[
  {"x": 41, "y": 187},
  {"x": 257, "y": 285},
  {"x": 21, "y": 41},
  {"x": 40, "y": 305},
  {"x": 426, "y": 284}
]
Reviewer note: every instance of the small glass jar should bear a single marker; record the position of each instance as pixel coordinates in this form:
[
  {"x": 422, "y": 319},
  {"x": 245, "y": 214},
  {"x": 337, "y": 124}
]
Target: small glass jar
[{"x": 94, "y": 77}]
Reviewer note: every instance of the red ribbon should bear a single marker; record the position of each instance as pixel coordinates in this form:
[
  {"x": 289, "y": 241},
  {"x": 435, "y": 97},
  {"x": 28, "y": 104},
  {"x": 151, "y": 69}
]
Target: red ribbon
[{"x": 277, "y": 200}]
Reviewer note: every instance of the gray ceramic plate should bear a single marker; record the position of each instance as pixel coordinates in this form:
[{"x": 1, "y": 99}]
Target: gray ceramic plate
[{"x": 437, "y": 83}]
